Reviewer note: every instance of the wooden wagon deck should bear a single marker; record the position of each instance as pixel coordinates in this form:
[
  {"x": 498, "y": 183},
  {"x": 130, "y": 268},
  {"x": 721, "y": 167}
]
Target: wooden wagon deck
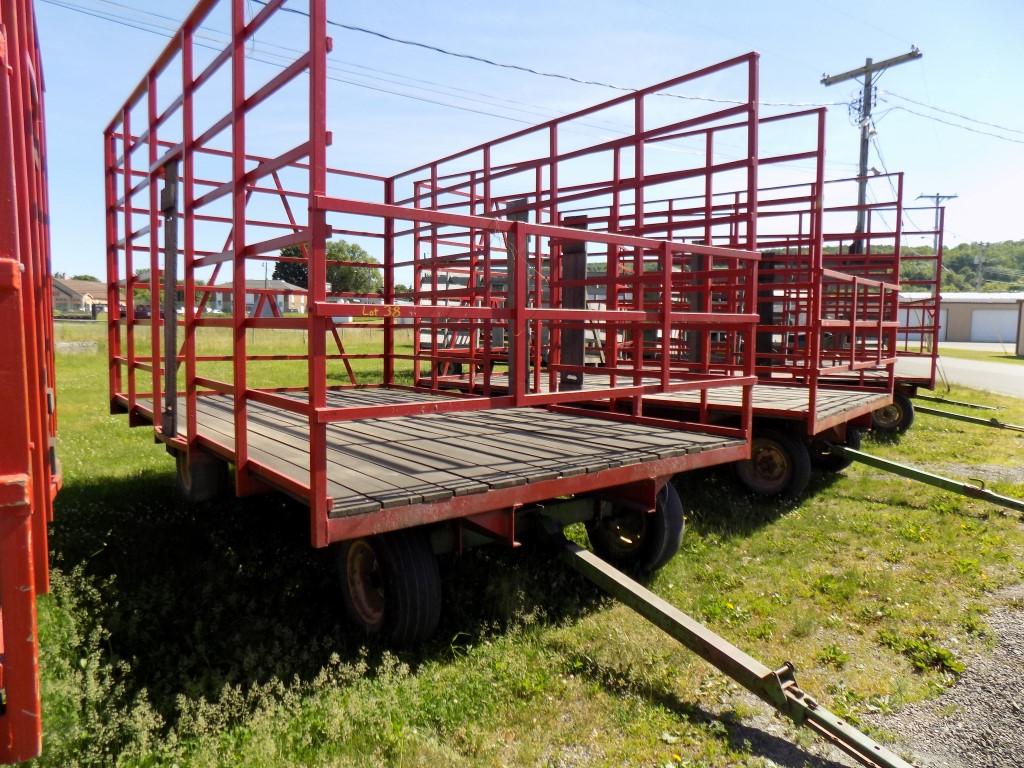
[
  {"x": 376, "y": 464},
  {"x": 787, "y": 401}
]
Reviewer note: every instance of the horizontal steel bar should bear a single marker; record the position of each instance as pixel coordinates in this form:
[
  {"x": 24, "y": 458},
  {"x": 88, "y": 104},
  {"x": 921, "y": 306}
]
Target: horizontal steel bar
[
  {"x": 350, "y": 309},
  {"x": 913, "y": 473},
  {"x": 424, "y": 215},
  {"x": 993, "y": 422},
  {"x": 961, "y": 403}
]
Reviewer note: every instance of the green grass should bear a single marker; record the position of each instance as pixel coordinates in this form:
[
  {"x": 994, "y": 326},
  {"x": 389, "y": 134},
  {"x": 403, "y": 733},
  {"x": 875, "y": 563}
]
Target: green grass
[
  {"x": 977, "y": 354},
  {"x": 213, "y": 635}
]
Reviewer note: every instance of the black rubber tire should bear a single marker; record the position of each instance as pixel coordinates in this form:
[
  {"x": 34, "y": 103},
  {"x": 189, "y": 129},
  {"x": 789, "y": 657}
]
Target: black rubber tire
[
  {"x": 779, "y": 466},
  {"x": 391, "y": 586},
  {"x": 894, "y": 419},
  {"x": 201, "y": 476},
  {"x": 449, "y": 369},
  {"x": 640, "y": 541},
  {"x": 833, "y": 462}
]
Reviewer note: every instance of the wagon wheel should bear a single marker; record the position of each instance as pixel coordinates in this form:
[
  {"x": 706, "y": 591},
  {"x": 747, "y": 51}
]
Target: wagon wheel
[
  {"x": 779, "y": 465},
  {"x": 642, "y": 541},
  {"x": 896, "y": 418},
  {"x": 391, "y": 586},
  {"x": 822, "y": 458},
  {"x": 201, "y": 476}
]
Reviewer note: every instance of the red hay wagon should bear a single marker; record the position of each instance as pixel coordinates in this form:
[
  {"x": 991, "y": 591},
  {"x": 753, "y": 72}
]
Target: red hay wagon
[
  {"x": 29, "y": 476},
  {"x": 392, "y": 463}
]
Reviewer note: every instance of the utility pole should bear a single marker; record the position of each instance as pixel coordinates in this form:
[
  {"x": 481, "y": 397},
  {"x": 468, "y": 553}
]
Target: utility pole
[
  {"x": 938, "y": 200},
  {"x": 869, "y": 71}
]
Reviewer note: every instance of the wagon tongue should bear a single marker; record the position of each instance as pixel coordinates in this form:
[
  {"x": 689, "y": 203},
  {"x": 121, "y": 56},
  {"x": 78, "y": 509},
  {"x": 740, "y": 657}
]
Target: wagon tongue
[{"x": 777, "y": 687}]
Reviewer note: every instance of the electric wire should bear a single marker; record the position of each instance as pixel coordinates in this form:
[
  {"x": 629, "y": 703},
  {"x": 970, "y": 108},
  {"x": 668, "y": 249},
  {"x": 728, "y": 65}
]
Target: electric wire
[
  {"x": 168, "y": 32},
  {"x": 952, "y": 113},
  {"x": 955, "y": 125},
  {"x": 531, "y": 70}
]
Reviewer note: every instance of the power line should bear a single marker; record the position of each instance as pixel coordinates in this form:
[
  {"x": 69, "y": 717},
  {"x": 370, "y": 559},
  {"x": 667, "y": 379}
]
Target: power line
[
  {"x": 168, "y": 33},
  {"x": 952, "y": 113},
  {"x": 955, "y": 125},
  {"x": 531, "y": 70},
  {"x": 892, "y": 186}
]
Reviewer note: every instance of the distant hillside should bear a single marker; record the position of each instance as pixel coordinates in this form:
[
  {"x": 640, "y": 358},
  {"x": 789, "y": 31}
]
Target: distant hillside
[{"x": 1001, "y": 266}]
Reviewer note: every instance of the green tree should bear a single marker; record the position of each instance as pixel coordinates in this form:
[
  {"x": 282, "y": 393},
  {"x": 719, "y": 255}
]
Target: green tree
[
  {"x": 296, "y": 274},
  {"x": 348, "y": 278},
  {"x": 87, "y": 278}
]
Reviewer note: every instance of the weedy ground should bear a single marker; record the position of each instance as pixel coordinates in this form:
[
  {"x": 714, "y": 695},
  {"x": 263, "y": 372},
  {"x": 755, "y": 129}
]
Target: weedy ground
[
  {"x": 213, "y": 635},
  {"x": 1006, "y": 356}
]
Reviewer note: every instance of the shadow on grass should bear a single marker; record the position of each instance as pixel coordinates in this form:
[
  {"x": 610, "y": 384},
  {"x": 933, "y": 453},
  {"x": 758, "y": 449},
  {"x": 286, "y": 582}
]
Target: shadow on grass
[
  {"x": 739, "y": 736},
  {"x": 716, "y": 502},
  {"x": 197, "y": 597}
]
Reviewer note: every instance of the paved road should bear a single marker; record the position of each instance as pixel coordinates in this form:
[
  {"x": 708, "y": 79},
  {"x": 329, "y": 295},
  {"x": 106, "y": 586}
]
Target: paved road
[
  {"x": 993, "y": 347},
  {"x": 1004, "y": 378}
]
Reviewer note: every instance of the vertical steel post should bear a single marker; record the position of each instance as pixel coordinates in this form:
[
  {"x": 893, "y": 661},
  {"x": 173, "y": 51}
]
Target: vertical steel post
[
  {"x": 318, "y": 233},
  {"x": 169, "y": 208},
  {"x": 129, "y": 263},
  {"x": 751, "y": 241},
  {"x": 817, "y": 247},
  {"x": 243, "y": 481},
  {"x": 519, "y": 363},
  {"x": 389, "y": 286},
  {"x": 189, "y": 228},
  {"x": 113, "y": 272},
  {"x": 638, "y": 258},
  {"x": 153, "y": 196},
  {"x": 666, "y": 311}
]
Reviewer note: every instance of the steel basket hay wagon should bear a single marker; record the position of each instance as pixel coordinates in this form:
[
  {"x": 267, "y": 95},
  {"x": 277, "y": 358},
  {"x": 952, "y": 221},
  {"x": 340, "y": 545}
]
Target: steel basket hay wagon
[
  {"x": 873, "y": 254},
  {"x": 391, "y": 464},
  {"x": 814, "y": 322},
  {"x": 29, "y": 473}
]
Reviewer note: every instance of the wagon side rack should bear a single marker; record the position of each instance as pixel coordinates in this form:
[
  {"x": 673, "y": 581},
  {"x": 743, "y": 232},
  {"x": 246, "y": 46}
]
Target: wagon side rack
[{"x": 776, "y": 687}]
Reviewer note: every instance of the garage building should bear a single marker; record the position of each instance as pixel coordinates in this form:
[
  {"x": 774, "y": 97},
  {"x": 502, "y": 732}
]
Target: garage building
[{"x": 976, "y": 316}]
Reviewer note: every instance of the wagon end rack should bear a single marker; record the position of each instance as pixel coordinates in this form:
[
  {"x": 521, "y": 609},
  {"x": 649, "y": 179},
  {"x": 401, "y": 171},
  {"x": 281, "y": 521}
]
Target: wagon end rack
[
  {"x": 776, "y": 687},
  {"x": 929, "y": 478}
]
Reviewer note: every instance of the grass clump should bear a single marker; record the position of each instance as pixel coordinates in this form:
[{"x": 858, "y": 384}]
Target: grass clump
[{"x": 923, "y": 651}]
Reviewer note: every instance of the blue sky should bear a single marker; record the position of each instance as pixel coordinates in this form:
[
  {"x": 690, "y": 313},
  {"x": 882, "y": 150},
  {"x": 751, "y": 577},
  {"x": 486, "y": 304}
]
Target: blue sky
[{"x": 972, "y": 59}]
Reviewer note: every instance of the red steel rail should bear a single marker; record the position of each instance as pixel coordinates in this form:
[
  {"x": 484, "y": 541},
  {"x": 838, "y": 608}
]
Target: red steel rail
[
  {"x": 237, "y": 194},
  {"x": 815, "y": 321},
  {"x": 920, "y": 327},
  {"x": 29, "y": 476}
]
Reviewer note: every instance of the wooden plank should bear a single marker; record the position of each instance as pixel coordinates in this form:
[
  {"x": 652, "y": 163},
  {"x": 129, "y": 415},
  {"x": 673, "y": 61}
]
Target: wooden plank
[
  {"x": 293, "y": 464},
  {"x": 375, "y": 463},
  {"x": 358, "y": 471}
]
